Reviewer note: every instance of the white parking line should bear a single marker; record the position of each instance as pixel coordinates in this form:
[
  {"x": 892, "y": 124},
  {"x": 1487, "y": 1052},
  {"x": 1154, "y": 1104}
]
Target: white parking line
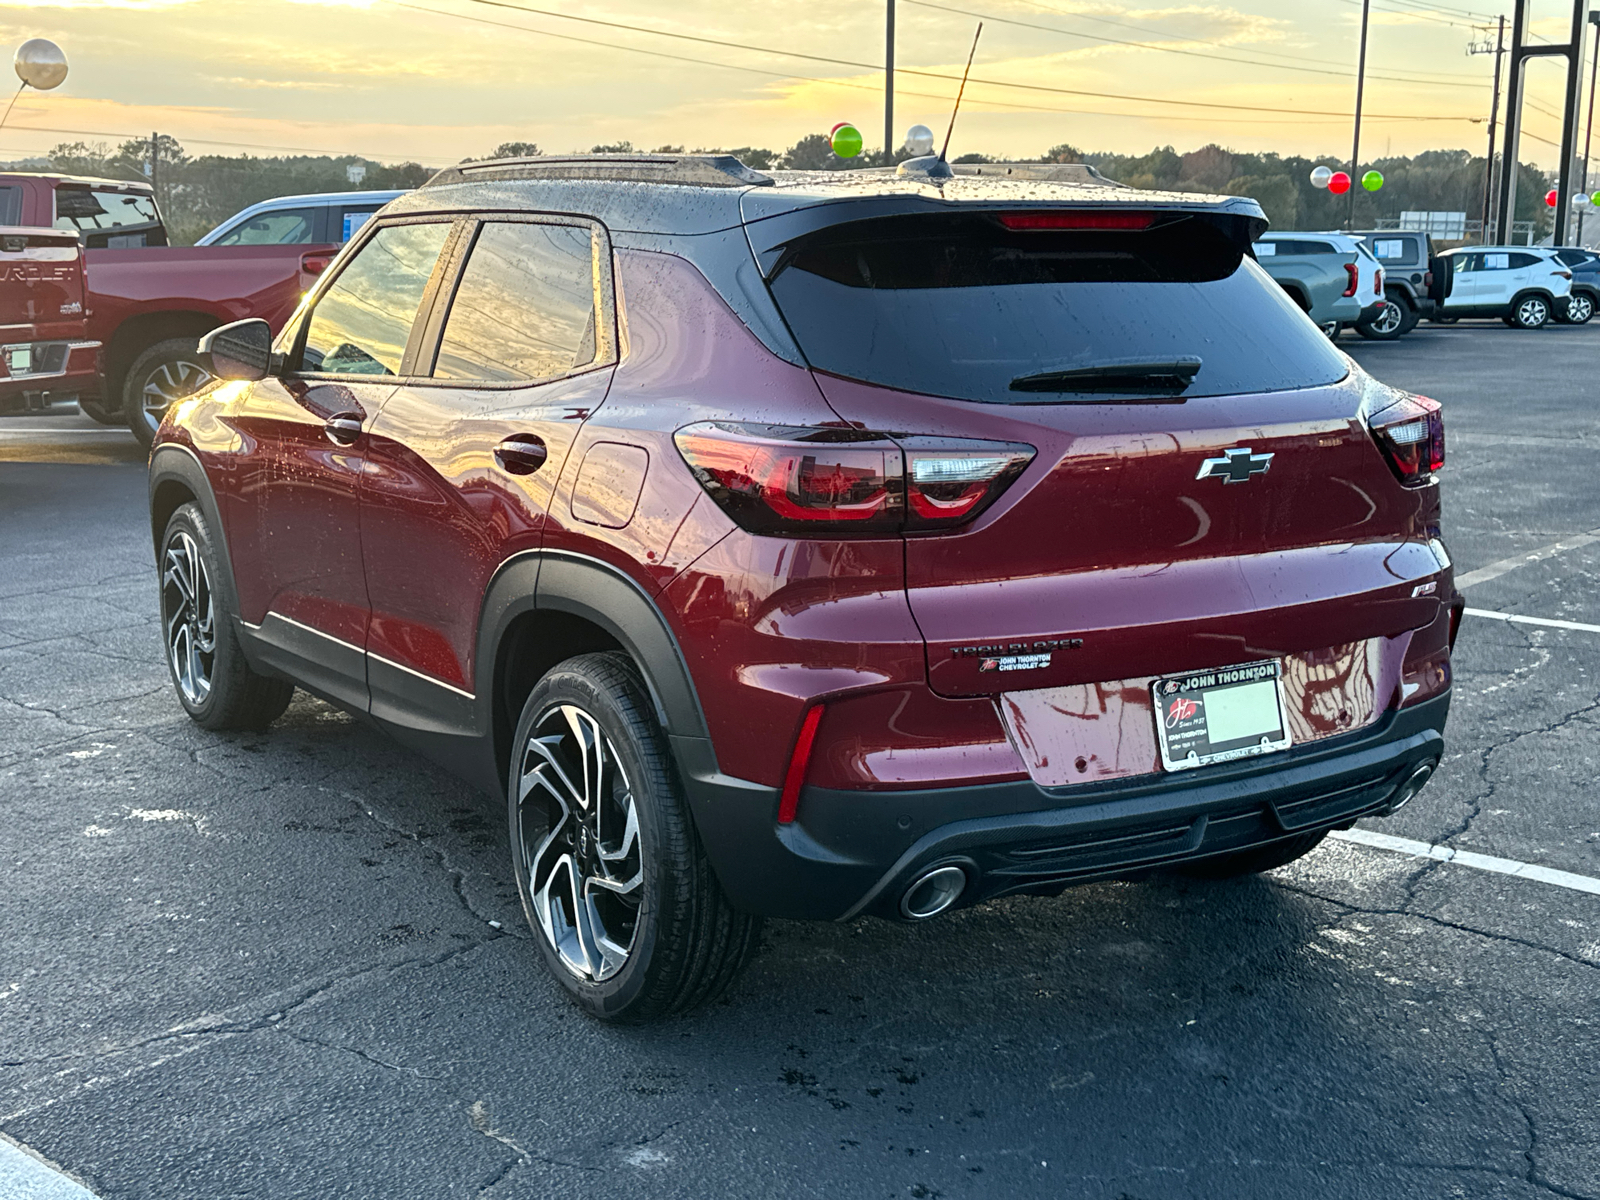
[
  {"x": 1466, "y": 858},
  {"x": 1553, "y": 624},
  {"x": 25, "y": 1176},
  {"x": 1496, "y": 569}
]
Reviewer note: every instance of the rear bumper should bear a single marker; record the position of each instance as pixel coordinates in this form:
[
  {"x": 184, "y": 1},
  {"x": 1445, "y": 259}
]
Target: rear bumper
[
  {"x": 856, "y": 852},
  {"x": 54, "y": 370}
]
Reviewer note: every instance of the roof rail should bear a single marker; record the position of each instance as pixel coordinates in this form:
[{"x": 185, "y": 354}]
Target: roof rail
[{"x": 688, "y": 170}]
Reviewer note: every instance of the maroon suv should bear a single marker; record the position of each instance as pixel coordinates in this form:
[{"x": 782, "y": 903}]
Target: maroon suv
[{"x": 818, "y": 545}]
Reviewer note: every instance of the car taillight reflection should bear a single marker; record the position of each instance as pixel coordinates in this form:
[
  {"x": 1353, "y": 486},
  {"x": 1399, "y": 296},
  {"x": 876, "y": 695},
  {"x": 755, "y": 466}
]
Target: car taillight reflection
[
  {"x": 1411, "y": 436},
  {"x": 805, "y": 481}
]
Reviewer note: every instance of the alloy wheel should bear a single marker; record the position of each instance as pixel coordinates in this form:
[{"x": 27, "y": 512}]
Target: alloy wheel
[
  {"x": 1532, "y": 313},
  {"x": 190, "y": 618},
  {"x": 1388, "y": 319},
  {"x": 1579, "y": 309},
  {"x": 578, "y": 825},
  {"x": 168, "y": 383}
]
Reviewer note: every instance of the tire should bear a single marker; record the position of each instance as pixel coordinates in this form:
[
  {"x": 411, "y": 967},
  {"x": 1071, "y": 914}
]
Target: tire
[
  {"x": 1579, "y": 309},
  {"x": 95, "y": 409},
  {"x": 1530, "y": 311},
  {"x": 634, "y": 926},
  {"x": 215, "y": 685},
  {"x": 1394, "y": 320},
  {"x": 160, "y": 377},
  {"x": 1257, "y": 858},
  {"x": 1444, "y": 320},
  {"x": 1330, "y": 330}
]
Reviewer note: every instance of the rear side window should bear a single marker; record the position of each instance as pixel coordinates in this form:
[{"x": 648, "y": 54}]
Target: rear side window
[
  {"x": 525, "y": 307},
  {"x": 87, "y": 209},
  {"x": 1519, "y": 261},
  {"x": 280, "y": 227},
  {"x": 10, "y": 206},
  {"x": 1390, "y": 250},
  {"x": 967, "y": 308},
  {"x": 361, "y": 324},
  {"x": 351, "y": 220}
]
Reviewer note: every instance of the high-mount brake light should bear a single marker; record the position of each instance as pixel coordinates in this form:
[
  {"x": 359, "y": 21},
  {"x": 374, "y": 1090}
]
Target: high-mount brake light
[
  {"x": 1077, "y": 220},
  {"x": 1411, "y": 436},
  {"x": 1354, "y": 272},
  {"x": 810, "y": 481}
]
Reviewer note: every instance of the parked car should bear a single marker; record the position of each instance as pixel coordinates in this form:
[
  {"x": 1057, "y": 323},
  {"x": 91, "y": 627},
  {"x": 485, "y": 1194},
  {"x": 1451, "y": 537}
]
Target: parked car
[
  {"x": 1525, "y": 286},
  {"x": 46, "y": 354},
  {"x": 809, "y": 546},
  {"x": 327, "y": 217},
  {"x": 1409, "y": 262},
  {"x": 1585, "y": 268},
  {"x": 148, "y": 302},
  {"x": 1330, "y": 275}
]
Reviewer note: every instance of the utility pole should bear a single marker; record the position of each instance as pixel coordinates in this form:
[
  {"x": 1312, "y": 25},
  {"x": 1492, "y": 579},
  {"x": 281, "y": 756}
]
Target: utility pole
[
  {"x": 1494, "y": 110},
  {"x": 1588, "y": 135},
  {"x": 888, "y": 87},
  {"x": 155, "y": 146},
  {"x": 1572, "y": 51},
  {"x": 1355, "y": 147}
]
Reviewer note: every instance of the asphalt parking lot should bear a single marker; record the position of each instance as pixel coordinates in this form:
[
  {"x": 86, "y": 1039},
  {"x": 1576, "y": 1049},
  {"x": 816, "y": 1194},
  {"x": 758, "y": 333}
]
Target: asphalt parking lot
[{"x": 293, "y": 964}]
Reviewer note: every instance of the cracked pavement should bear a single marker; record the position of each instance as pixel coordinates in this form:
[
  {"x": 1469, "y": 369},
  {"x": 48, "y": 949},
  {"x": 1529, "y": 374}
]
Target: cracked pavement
[{"x": 293, "y": 964}]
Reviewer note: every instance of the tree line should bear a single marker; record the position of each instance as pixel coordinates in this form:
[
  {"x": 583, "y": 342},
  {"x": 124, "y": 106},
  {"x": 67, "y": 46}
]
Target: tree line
[{"x": 200, "y": 192}]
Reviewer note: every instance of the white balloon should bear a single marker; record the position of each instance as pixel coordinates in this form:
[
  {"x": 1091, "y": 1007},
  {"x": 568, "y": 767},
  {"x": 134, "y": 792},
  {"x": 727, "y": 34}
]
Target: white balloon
[
  {"x": 1320, "y": 176},
  {"x": 40, "y": 64},
  {"x": 1581, "y": 200},
  {"x": 919, "y": 140}
]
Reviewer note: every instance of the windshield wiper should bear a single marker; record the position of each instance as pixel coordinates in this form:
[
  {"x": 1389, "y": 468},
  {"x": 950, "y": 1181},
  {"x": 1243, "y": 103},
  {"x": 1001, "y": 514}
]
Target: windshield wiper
[{"x": 1170, "y": 375}]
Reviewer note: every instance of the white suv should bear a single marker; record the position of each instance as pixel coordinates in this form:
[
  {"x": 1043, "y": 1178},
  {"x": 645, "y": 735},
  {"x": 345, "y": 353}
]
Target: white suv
[{"x": 1525, "y": 286}]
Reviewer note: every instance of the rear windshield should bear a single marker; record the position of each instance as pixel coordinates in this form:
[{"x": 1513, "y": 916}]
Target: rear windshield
[
  {"x": 87, "y": 209},
  {"x": 967, "y": 308}
]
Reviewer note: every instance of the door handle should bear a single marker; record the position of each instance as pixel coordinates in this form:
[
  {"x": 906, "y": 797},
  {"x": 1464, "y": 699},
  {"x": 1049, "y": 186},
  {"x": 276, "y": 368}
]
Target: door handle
[
  {"x": 343, "y": 428},
  {"x": 521, "y": 454}
]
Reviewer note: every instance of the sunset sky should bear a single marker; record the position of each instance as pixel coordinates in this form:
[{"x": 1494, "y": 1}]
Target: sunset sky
[{"x": 436, "y": 80}]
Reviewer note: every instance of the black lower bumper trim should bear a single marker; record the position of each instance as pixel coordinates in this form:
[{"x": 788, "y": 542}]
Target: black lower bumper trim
[{"x": 855, "y": 852}]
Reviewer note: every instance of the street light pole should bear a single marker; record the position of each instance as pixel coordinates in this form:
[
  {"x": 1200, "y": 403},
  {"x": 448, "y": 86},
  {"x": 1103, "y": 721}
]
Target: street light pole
[
  {"x": 1355, "y": 147},
  {"x": 888, "y": 86},
  {"x": 1494, "y": 110}
]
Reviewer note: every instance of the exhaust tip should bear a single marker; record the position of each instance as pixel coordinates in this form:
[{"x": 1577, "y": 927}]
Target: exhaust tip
[
  {"x": 932, "y": 893},
  {"x": 1407, "y": 791}
]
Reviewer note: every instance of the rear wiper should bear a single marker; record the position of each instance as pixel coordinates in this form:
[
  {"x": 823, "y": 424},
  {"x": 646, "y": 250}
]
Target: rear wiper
[{"x": 1116, "y": 375}]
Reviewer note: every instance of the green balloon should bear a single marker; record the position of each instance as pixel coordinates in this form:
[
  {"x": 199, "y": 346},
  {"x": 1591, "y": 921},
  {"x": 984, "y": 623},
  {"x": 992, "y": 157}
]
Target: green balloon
[
  {"x": 845, "y": 140},
  {"x": 1372, "y": 180},
  {"x": 1596, "y": 199}
]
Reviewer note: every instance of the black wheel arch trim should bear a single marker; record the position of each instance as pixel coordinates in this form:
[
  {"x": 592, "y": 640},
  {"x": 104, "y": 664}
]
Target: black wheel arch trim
[
  {"x": 598, "y": 592},
  {"x": 173, "y": 462}
]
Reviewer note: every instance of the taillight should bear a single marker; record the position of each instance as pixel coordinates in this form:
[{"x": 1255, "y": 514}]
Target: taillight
[
  {"x": 1411, "y": 436},
  {"x": 1354, "y": 273},
  {"x": 1069, "y": 219},
  {"x": 789, "y": 481},
  {"x": 1377, "y": 282},
  {"x": 315, "y": 264},
  {"x": 1563, "y": 274}
]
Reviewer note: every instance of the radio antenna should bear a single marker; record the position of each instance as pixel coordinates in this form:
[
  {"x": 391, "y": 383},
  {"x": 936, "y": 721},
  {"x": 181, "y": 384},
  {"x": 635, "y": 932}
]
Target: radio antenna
[{"x": 961, "y": 92}]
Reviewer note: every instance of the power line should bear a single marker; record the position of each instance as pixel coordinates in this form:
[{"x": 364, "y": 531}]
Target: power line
[
  {"x": 1187, "y": 53},
  {"x": 877, "y": 68}
]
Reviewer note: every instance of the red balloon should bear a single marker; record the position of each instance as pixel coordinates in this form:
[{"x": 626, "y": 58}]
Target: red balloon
[
  {"x": 1551, "y": 197},
  {"x": 1339, "y": 184}
]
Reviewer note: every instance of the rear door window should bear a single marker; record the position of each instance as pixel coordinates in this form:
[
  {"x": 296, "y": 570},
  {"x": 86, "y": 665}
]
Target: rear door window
[
  {"x": 10, "y": 206},
  {"x": 361, "y": 324},
  {"x": 1392, "y": 250},
  {"x": 962, "y": 306},
  {"x": 525, "y": 307},
  {"x": 279, "y": 227},
  {"x": 348, "y": 221}
]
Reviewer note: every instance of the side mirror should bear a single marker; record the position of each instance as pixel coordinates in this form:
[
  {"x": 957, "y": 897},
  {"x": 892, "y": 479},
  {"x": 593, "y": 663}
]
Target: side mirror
[{"x": 242, "y": 350}]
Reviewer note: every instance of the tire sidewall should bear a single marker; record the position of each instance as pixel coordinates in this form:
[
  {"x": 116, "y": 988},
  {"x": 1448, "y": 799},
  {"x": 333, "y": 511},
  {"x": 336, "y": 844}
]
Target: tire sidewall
[
  {"x": 570, "y": 683},
  {"x": 1583, "y": 320},
  {"x": 189, "y": 519}
]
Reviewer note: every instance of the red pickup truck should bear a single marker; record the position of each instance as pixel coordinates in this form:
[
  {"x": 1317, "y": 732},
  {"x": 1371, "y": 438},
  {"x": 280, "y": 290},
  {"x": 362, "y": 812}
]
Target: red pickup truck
[{"x": 146, "y": 302}]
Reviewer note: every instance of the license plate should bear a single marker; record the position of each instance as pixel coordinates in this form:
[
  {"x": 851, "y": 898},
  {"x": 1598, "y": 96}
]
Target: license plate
[{"x": 1213, "y": 716}]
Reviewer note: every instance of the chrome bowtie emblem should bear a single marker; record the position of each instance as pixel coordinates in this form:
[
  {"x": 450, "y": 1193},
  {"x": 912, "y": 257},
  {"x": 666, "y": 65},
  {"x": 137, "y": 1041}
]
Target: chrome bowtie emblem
[{"x": 1235, "y": 465}]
